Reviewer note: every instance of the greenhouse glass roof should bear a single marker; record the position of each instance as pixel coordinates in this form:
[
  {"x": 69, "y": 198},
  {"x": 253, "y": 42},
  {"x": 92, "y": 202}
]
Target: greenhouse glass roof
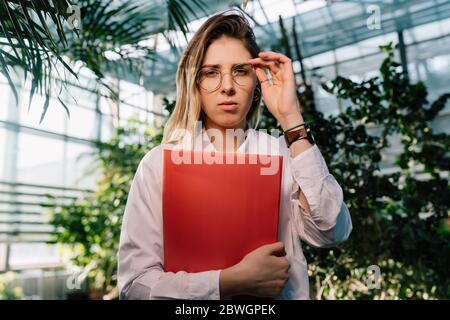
[{"x": 322, "y": 26}]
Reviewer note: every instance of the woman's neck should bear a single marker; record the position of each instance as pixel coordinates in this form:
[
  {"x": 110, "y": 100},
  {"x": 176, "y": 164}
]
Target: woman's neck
[{"x": 226, "y": 139}]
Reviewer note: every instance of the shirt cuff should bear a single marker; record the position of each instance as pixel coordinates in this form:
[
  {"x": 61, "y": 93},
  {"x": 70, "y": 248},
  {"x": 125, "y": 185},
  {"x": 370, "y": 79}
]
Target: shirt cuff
[{"x": 204, "y": 285}]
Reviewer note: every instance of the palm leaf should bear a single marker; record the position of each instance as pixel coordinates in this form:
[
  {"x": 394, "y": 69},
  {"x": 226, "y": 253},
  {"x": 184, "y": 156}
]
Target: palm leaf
[
  {"x": 37, "y": 37},
  {"x": 30, "y": 45}
]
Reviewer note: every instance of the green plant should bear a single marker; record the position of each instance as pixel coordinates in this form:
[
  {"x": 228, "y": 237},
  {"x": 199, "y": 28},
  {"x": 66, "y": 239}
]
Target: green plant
[
  {"x": 397, "y": 217},
  {"x": 401, "y": 220},
  {"x": 28, "y": 42},
  {"x": 90, "y": 226},
  {"x": 41, "y": 35},
  {"x": 6, "y": 292}
]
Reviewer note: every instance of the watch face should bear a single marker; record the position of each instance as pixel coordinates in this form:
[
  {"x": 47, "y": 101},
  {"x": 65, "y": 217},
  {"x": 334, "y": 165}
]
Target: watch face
[
  {"x": 301, "y": 133},
  {"x": 297, "y": 134}
]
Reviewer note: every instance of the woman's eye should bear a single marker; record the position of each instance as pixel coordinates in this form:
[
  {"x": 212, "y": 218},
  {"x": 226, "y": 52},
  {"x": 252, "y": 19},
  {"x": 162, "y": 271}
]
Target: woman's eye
[
  {"x": 211, "y": 73},
  {"x": 241, "y": 71}
]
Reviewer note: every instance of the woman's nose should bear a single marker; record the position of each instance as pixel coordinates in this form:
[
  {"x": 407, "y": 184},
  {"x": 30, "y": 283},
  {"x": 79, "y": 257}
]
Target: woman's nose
[{"x": 227, "y": 84}]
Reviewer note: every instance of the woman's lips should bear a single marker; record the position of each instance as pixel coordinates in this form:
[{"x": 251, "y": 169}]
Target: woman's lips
[{"x": 229, "y": 106}]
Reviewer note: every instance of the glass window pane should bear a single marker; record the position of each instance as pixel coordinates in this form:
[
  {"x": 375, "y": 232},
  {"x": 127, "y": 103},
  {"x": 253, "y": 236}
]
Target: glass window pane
[
  {"x": 107, "y": 128},
  {"x": 40, "y": 160},
  {"x": 79, "y": 159},
  {"x": 5, "y": 93},
  {"x": 445, "y": 26},
  {"x": 132, "y": 94},
  {"x": 54, "y": 119},
  {"x": 426, "y": 31},
  {"x": 82, "y": 97},
  {"x": 33, "y": 254},
  {"x": 3, "y": 153},
  {"x": 106, "y": 105},
  {"x": 82, "y": 123},
  {"x": 3, "y": 254},
  {"x": 128, "y": 112}
]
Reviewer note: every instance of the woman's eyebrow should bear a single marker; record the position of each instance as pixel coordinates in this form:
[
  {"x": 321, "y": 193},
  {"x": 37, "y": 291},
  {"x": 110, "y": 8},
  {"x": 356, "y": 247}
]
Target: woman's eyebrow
[
  {"x": 219, "y": 66},
  {"x": 211, "y": 65}
]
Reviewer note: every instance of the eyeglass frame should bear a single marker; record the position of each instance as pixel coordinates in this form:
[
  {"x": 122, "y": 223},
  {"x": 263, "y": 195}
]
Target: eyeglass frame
[{"x": 197, "y": 78}]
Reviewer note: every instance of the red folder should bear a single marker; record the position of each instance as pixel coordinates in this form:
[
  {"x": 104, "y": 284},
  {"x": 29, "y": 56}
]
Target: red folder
[{"x": 214, "y": 214}]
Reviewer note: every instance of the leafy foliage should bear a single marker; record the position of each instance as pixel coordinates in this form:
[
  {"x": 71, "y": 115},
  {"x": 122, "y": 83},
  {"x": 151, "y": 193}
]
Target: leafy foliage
[
  {"x": 7, "y": 291},
  {"x": 90, "y": 226},
  {"x": 397, "y": 217},
  {"x": 31, "y": 45},
  {"x": 402, "y": 219},
  {"x": 43, "y": 40}
]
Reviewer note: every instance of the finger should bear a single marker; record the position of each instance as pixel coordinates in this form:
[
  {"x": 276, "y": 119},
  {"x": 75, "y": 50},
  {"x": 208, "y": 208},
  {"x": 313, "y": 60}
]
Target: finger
[
  {"x": 262, "y": 77},
  {"x": 280, "y": 253},
  {"x": 275, "y": 56},
  {"x": 286, "y": 263},
  {"x": 275, "y": 62},
  {"x": 273, "y": 247},
  {"x": 277, "y": 249},
  {"x": 281, "y": 72},
  {"x": 273, "y": 66}
]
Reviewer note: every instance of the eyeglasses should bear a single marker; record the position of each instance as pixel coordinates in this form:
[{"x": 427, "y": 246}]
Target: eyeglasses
[{"x": 210, "y": 78}]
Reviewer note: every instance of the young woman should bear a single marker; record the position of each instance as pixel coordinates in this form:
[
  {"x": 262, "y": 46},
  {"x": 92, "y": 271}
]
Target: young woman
[{"x": 220, "y": 81}]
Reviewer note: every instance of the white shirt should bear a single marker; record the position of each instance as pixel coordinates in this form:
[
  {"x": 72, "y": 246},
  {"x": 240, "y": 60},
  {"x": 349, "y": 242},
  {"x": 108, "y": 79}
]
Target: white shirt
[{"x": 140, "y": 271}]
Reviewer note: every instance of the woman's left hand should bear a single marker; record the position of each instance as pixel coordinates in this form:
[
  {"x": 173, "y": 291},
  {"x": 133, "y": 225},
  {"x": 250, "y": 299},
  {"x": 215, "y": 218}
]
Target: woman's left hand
[{"x": 280, "y": 96}]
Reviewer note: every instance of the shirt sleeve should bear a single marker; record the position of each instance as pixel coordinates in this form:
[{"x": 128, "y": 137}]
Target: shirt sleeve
[
  {"x": 329, "y": 222},
  {"x": 140, "y": 271}
]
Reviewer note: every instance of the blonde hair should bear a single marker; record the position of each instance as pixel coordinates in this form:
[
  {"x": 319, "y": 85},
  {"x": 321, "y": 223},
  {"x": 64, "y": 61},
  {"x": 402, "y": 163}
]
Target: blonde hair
[{"x": 188, "y": 107}]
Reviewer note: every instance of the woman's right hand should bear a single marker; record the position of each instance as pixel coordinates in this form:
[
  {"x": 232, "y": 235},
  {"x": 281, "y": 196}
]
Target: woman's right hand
[{"x": 262, "y": 273}]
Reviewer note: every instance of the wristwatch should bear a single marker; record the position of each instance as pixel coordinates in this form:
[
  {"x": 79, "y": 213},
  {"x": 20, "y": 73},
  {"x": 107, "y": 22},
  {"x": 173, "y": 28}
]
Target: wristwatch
[{"x": 298, "y": 133}]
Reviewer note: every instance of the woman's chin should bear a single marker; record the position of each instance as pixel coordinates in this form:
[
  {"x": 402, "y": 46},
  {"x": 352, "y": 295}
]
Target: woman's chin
[{"x": 230, "y": 123}]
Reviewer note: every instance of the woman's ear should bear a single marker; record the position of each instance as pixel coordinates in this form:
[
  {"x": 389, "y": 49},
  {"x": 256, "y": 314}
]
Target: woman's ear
[{"x": 256, "y": 94}]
